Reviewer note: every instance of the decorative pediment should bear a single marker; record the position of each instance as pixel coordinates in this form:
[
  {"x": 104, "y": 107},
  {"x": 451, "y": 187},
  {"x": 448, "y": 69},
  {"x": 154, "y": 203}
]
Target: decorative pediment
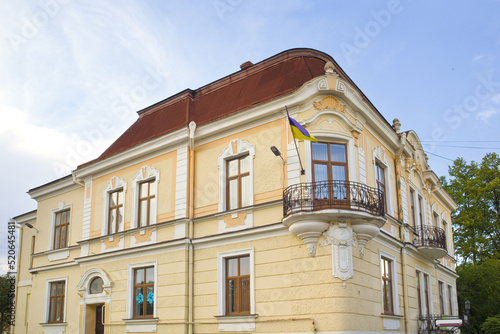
[
  {"x": 334, "y": 120},
  {"x": 329, "y": 102}
]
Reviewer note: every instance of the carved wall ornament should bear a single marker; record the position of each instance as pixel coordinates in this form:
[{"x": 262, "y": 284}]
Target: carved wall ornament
[
  {"x": 323, "y": 84},
  {"x": 340, "y": 86},
  {"x": 329, "y": 102},
  {"x": 342, "y": 238}
]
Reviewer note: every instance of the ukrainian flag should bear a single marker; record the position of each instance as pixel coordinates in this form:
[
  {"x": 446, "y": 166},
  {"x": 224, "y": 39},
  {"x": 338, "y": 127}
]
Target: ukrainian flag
[{"x": 299, "y": 132}]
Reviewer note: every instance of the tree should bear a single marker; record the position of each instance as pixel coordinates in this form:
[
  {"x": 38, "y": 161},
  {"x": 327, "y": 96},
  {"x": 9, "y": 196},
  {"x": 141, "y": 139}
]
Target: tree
[
  {"x": 492, "y": 325},
  {"x": 476, "y": 222},
  {"x": 479, "y": 284},
  {"x": 4, "y": 302}
]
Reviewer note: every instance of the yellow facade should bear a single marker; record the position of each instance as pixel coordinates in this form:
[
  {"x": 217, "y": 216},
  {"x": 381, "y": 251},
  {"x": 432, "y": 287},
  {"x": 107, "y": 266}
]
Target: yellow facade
[{"x": 310, "y": 268}]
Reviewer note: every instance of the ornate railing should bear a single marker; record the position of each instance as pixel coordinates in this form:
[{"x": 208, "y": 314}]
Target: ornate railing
[
  {"x": 429, "y": 236},
  {"x": 427, "y": 325},
  {"x": 344, "y": 195}
]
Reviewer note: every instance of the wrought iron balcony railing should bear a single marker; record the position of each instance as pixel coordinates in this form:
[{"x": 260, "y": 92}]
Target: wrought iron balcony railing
[
  {"x": 430, "y": 236},
  {"x": 427, "y": 325},
  {"x": 344, "y": 195}
]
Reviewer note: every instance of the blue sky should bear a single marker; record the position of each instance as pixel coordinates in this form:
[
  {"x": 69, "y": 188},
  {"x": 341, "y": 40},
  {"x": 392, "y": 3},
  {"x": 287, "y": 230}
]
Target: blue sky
[{"x": 74, "y": 72}]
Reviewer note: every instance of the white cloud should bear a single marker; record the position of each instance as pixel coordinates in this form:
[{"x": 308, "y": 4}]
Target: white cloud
[
  {"x": 487, "y": 114},
  {"x": 478, "y": 57}
]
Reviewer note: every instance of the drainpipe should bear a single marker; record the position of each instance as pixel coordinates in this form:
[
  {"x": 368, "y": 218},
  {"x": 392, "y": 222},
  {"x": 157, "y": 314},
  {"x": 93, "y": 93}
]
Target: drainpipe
[
  {"x": 405, "y": 289},
  {"x": 192, "y": 128}
]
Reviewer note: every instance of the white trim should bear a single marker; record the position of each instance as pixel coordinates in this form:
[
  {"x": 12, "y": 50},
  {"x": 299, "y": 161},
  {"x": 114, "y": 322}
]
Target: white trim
[
  {"x": 47, "y": 297},
  {"x": 115, "y": 184},
  {"x": 394, "y": 279},
  {"x": 453, "y": 311},
  {"x": 293, "y": 164},
  {"x": 404, "y": 200},
  {"x": 378, "y": 152},
  {"x": 147, "y": 173},
  {"x": 362, "y": 165},
  {"x": 24, "y": 283},
  {"x": 130, "y": 286},
  {"x": 181, "y": 184},
  {"x": 87, "y": 210},
  {"x": 62, "y": 207},
  {"x": 422, "y": 290},
  {"x": 242, "y": 148},
  {"x": 58, "y": 254},
  {"x": 146, "y": 325},
  {"x": 54, "y": 328},
  {"x": 221, "y": 278}
]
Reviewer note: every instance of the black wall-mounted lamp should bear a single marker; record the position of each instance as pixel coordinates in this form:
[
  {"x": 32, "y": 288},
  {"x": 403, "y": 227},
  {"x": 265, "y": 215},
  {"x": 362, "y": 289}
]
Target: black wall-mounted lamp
[
  {"x": 277, "y": 153},
  {"x": 31, "y": 226}
]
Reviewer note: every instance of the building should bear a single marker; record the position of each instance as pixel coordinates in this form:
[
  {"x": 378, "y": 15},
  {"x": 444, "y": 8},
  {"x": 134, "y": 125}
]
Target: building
[{"x": 190, "y": 223}]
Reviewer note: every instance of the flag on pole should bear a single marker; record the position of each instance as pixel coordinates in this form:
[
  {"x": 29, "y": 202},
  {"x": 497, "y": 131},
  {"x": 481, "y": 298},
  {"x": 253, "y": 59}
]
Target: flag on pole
[{"x": 299, "y": 132}]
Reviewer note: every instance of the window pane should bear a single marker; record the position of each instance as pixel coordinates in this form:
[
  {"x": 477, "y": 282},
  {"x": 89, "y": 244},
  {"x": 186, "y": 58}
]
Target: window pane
[
  {"x": 245, "y": 265},
  {"x": 245, "y": 294},
  {"x": 245, "y": 186},
  {"x": 245, "y": 164},
  {"x": 388, "y": 293},
  {"x": 60, "y": 289},
  {"x": 152, "y": 203},
  {"x": 337, "y": 152},
  {"x": 152, "y": 188},
  {"x": 58, "y": 309},
  {"x": 63, "y": 236},
  {"x": 150, "y": 275},
  {"x": 232, "y": 267},
  {"x": 58, "y": 219},
  {"x": 144, "y": 189},
  {"x": 231, "y": 296},
  {"x": 149, "y": 300},
  {"x": 338, "y": 173},
  {"x": 113, "y": 199},
  {"x": 139, "y": 276},
  {"x": 56, "y": 243},
  {"x": 53, "y": 289},
  {"x": 320, "y": 151},
  {"x": 112, "y": 222},
  {"x": 138, "y": 301},
  {"x": 96, "y": 285},
  {"x": 320, "y": 173},
  {"x": 232, "y": 167},
  {"x": 120, "y": 219},
  {"x": 52, "y": 310},
  {"x": 233, "y": 194},
  {"x": 144, "y": 213}
]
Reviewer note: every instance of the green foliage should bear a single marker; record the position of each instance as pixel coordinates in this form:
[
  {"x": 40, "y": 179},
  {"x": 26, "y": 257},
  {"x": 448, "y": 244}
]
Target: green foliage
[
  {"x": 476, "y": 222},
  {"x": 492, "y": 325},
  {"x": 480, "y": 284},
  {"x": 4, "y": 302}
]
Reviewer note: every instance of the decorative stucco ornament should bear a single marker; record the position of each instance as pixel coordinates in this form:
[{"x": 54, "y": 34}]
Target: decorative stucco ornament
[{"x": 342, "y": 238}]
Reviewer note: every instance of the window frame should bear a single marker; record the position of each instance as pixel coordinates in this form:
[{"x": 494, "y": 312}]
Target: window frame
[
  {"x": 387, "y": 277},
  {"x": 221, "y": 281},
  {"x": 145, "y": 174},
  {"x": 55, "y": 227},
  {"x": 425, "y": 291},
  {"x": 380, "y": 167},
  {"x": 115, "y": 208},
  {"x": 238, "y": 279},
  {"x": 441, "y": 294},
  {"x": 131, "y": 290},
  {"x": 49, "y": 297},
  {"x": 144, "y": 288},
  {"x": 394, "y": 283},
  {"x": 413, "y": 208},
  {"x": 116, "y": 184},
  {"x": 239, "y": 176},
  {"x": 451, "y": 301},
  {"x": 235, "y": 149},
  {"x": 148, "y": 199}
]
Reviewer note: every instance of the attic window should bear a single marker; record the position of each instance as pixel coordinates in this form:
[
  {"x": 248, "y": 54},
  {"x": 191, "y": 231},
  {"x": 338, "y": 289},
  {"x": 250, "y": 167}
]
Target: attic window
[{"x": 246, "y": 65}]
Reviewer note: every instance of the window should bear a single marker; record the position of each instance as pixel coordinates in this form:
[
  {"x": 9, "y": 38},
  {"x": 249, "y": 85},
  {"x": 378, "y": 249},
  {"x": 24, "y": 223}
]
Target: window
[
  {"x": 56, "y": 301},
  {"x": 238, "y": 285},
  {"x": 147, "y": 200},
  {"x": 441, "y": 297},
  {"x": 380, "y": 171},
  {"x": 426, "y": 293},
  {"x": 412, "y": 205},
  {"x": 61, "y": 228},
  {"x": 144, "y": 294},
  {"x": 115, "y": 211},
  {"x": 238, "y": 182},
  {"x": 450, "y": 300},
  {"x": 436, "y": 219},
  {"x": 445, "y": 229},
  {"x": 235, "y": 276},
  {"x": 419, "y": 296},
  {"x": 330, "y": 170},
  {"x": 420, "y": 210},
  {"x": 96, "y": 285},
  {"x": 386, "y": 266}
]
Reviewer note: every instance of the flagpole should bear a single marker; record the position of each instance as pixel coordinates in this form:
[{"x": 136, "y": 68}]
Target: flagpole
[{"x": 302, "y": 171}]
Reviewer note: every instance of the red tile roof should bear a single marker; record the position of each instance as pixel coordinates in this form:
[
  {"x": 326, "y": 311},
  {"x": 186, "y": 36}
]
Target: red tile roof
[{"x": 254, "y": 84}]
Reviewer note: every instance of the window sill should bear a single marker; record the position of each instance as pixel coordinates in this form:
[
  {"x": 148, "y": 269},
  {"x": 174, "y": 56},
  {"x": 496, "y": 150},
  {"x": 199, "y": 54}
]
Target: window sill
[
  {"x": 143, "y": 325},
  {"x": 237, "y": 323},
  {"x": 54, "y": 327},
  {"x": 58, "y": 254},
  {"x": 391, "y": 321}
]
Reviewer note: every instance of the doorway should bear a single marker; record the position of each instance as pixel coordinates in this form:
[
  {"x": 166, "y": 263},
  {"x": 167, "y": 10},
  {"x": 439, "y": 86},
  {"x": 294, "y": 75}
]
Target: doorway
[{"x": 94, "y": 319}]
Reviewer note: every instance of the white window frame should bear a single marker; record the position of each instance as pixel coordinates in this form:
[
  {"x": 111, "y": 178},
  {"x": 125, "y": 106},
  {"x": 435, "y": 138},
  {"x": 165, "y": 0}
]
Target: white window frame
[
  {"x": 130, "y": 288},
  {"x": 395, "y": 295},
  {"x": 445, "y": 287},
  {"x": 422, "y": 291},
  {"x": 62, "y": 207},
  {"x": 447, "y": 235},
  {"x": 47, "y": 298},
  {"x": 221, "y": 278},
  {"x": 115, "y": 184},
  {"x": 419, "y": 222},
  {"x": 236, "y": 148},
  {"x": 451, "y": 312},
  {"x": 147, "y": 173}
]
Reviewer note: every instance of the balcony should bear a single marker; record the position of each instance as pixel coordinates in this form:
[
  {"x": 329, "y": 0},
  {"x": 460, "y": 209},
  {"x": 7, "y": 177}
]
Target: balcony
[
  {"x": 431, "y": 241},
  {"x": 436, "y": 324},
  {"x": 308, "y": 209}
]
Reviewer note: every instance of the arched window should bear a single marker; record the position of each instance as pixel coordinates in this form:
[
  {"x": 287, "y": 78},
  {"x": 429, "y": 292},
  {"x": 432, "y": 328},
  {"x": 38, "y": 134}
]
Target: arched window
[{"x": 96, "y": 285}]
